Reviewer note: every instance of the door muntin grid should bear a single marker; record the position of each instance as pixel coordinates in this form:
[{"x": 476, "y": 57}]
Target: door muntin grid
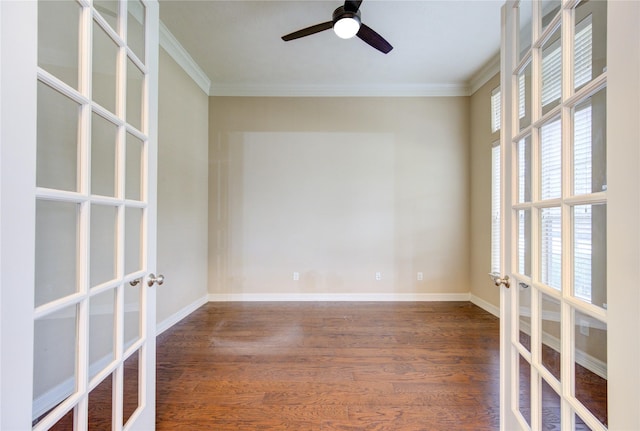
[
  {"x": 551, "y": 214},
  {"x": 83, "y": 206}
]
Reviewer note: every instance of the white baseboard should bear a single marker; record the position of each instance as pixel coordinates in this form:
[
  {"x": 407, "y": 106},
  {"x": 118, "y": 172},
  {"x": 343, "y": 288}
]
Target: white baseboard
[
  {"x": 181, "y": 314},
  {"x": 486, "y": 306},
  {"x": 337, "y": 297}
]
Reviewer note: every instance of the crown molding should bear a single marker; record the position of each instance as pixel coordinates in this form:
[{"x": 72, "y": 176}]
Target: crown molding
[
  {"x": 417, "y": 90},
  {"x": 182, "y": 57},
  {"x": 487, "y": 72}
]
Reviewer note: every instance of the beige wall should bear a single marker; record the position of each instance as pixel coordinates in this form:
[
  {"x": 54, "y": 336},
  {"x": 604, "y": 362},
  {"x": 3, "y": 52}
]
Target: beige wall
[
  {"x": 338, "y": 189},
  {"x": 182, "y": 189},
  {"x": 480, "y": 146}
]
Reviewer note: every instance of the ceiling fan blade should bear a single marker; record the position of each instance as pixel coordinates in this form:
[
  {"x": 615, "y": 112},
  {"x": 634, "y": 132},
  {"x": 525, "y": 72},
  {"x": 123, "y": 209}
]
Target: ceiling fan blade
[
  {"x": 308, "y": 31},
  {"x": 374, "y": 39},
  {"x": 352, "y": 5}
]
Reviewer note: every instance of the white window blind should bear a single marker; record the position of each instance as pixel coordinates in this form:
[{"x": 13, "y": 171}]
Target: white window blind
[
  {"x": 551, "y": 160},
  {"x": 551, "y": 73},
  {"x": 582, "y": 165},
  {"x": 551, "y": 251},
  {"x": 583, "y": 53},
  {"x": 495, "y": 209},
  {"x": 496, "y": 110},
  {"x": 582, "y": 245}
]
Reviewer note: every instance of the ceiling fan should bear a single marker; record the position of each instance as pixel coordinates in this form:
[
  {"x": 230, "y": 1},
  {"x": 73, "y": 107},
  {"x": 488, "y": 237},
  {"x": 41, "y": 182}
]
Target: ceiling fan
[{"x": 346, "y": 23}]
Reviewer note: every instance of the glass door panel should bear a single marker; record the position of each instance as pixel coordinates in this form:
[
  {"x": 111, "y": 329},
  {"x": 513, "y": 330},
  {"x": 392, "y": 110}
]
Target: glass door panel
[
  {"x": 58, "y": 43},
  {"x": 524, "y": 97},
  {"x": 105, "y": 68},
  {"x": 101, "y": 331},
  {"x": 590, "y": 40},
  {"x": 55, "y": 357},
  {"x": 135, "y": 28},
  {"x": 102, "y": 267},
  {"x": 590, "y": 144},
  {"x": 104, "y": 135},
  {"x": 524, "y": 170},
  {"x": 58, "y": 129},
  {"x": 551, "y": 72},
  {"x": 590, "y": 368},
  {"x": 56, "y": 251},
  {"x": 551, "y": 333}
]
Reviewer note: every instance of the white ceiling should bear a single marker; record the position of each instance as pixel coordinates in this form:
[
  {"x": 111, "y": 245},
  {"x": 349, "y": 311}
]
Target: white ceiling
[{"x": 441, "y": 47}]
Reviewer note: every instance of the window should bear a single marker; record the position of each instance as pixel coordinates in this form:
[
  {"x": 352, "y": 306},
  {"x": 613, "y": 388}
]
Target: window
[
  {"x": 496, "y": 110},
  {"x": 495, "y": 208}
]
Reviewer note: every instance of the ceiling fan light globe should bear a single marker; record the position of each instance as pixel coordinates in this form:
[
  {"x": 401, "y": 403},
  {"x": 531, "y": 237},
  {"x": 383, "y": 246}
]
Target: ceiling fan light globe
[{"x": 346, "y": 27}]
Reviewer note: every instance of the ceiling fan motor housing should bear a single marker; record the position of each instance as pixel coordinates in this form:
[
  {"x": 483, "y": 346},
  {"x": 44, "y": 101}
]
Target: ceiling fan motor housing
[{"x": 341, "y": 13}]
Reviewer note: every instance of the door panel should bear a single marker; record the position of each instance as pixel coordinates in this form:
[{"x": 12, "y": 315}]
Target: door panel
[
  {"x": 556, "y": 331},
  {"x": 69, "y": 104}
]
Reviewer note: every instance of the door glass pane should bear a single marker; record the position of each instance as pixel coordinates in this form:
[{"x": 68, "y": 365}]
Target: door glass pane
[
  {"x": 103, "y": 244},
  {"x": 524, "y": 386},
  {"x": 57, "y": 140},
  {"x": 551, "y": 247},
  {"x": 524, "y": 315},
  {"x": 133, "y": 240},
  {"x": 131, "y": 382},
  {"x": 590, "y": 253},
  {"x": 524, "y": 242},
  {"x": 590, "y": 52},
  {"x": 590, "y": 145},
  {"x": 580, "y": 425},
  {"x": 54, "y": 359},
  {"x": 550, "y": 9},
  {"x": 64, "y": 424},
  {"x": 103, "y": 156},
  {"x": 58, "y": 39},
  {"x": 135, "y": 28},
  {"x": 109, "y": 11},
  {"x": 135, "y": 80},
  {"x": 551, "y": 72},
  {"x": 56, "y": 250},
  {"x": 100, "y": 403},
  {"x": 551, "y": 335},
  {"x": 525, "y": 33},
  {"x": 105, "y": 61},
  {"x": 590, "y": 378},
  {"x": 131, "y": 314},
  {"x": 524, "y": 97},
  {"x": 133, "y": 183},
  {"x": 551, "y": 407},
  {"x": 524, "y": 170},
  {"x": 551, "y": 160},
  {"x": 101, "y": 331}
]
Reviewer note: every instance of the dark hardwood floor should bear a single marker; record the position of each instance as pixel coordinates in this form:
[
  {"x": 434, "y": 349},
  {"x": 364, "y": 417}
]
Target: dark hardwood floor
[{"x": 330, "y": 366}]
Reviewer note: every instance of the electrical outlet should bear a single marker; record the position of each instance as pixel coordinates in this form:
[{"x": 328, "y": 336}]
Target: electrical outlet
[
  {"x": 296, "y": 276},
  {"x": 584, "y": 327},
  {"x": 420, "y": 276},
  {"x": 378, "y": 276}
]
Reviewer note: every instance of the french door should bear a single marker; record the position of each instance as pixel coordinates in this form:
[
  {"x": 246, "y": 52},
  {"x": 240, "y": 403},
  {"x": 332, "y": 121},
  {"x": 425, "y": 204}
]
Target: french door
[
  {"x": 79, "y": 151},
  {"x": 570, "y": 141}
]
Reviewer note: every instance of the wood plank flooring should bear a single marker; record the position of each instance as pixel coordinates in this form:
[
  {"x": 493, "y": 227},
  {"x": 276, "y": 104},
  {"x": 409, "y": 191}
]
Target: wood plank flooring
[{"x": 330, "y": 366}]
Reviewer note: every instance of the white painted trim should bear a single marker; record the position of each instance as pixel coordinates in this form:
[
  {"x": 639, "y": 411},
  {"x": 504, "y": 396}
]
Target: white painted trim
[
  {"x": 487, "y": 72},
  {"x": 486, "y": 306},
  {"x": 182, "y": 57},
  {"x": 419, "y": 90},
  {"x": 181, "y": 314},
  {"x": 355, "y": 297}
]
